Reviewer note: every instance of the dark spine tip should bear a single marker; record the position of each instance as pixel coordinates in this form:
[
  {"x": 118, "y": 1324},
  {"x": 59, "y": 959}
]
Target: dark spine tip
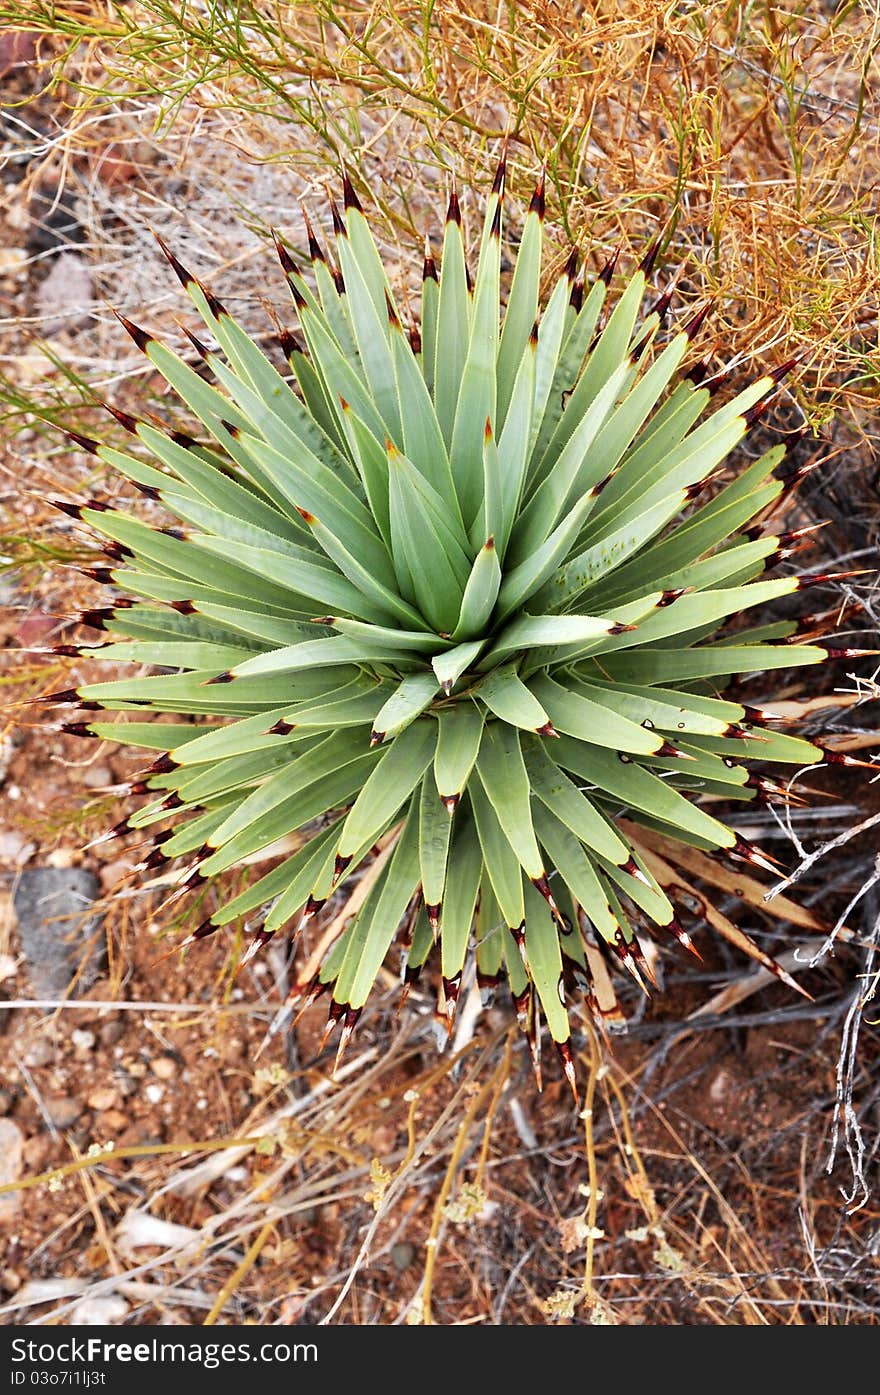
[
  {"x": 607, "y": 272},
  {"x": 125, "y": 419},
  {"x": 140, "y": 336},
  {"x": 576, "y": 299},
  {"x": 429, "y": 267},
  {"x": 500, "y": 170},
  {"x": 183, "y": 607},
  {"x": 390, "y": 311},
  {"x": 415, "y": 340},
  {"x": 97, "y": 619},
  {"x": 450, "y": 802},
  {"x": 72, "y": 510},
  {"x": 533, "y": 336},
  {"x": 433, "y": 913},
  {"x": 185, "y": 277},
  {"x": 670, "y": 596},
  {"x": 495, "y": 227},
  {"x": 339, "y": 865},
  {"x": 538, "y": 202},
  {"x": 227, "y": 677},
  {"x": 646, "y": 265},
  {"x": 282, "y": 728},
  {"x": 755, "y": 412},
  {"x": 62, "y": 695},
  {"x": 288, "y": 265},
  {"x": 697, "y": 373},
  {"x": 117, "y": 552},
  {"x": 668, "y": 751},
  {"x": 548, "y": 729},
  {"x": 349, "y": 197},
  {"x": 316, "y": 251},
  {"x": 162, "y": 765},
  {"x": 453, "y": 209},
  {"x": 782, "y": 371},
  {"x": 104, "y": 575},
  {"x": 86, "y": 443},
  {"x": 288, "y": 343},
  {"x": 693, "y": 327},
  {"x": 620, "y": 629},
  {"x": 376, "y": 738},
  {"x": 339, "y": 227},
  {"x": 200, "y": 348},
  {"x": 571, "y": 266},
  {"x": 661, "y": 306},
  {"x": 80, "y": 729}
]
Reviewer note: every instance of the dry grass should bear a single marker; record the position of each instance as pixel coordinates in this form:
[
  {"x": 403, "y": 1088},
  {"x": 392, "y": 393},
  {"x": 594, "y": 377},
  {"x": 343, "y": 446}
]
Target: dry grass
[{"x": 748, "y": 136}]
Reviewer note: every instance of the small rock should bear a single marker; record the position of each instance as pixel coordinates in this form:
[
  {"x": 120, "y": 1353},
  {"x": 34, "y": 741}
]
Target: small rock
[
  {"x": 7, "y": 1100},
  {"x": 126, "y": 1083},
  {"x": 82, "y": 1040},
  {"x": 403, "y": 1254},
  {"x": 37, "y": 1151},
  {"x": 10, "y": 1282},
  {"x": 100, "y": 1311},
  {"x": 55, "y": 930},
  {"x": 111, "y": 873},
  {"x": 141, "y": 1131},
  {"x": 165, "y": 1067},
  {"x": 111, "y": 1031},
  {"x": 66, "y": 297},
  {"x": 103, "y": 1098},
  {"x": 95, "y": 777},
  {"x": 63, "y": 1110},
  {"x": 8, "y": 967},
  {"x": 62, "y": 857},
  {"x": 11, "y": 1163},
  {"x": 113, "y": 1121},
  {"x": 40, "y": 1053},
  {"x": 7, "y": 750},
  {"x": 15, "y": 847},
  {"x": 154, "y": 1093}
]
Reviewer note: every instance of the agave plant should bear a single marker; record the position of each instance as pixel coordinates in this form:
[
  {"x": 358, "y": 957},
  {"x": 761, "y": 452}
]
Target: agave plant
[{"x": 444, "y": 605}]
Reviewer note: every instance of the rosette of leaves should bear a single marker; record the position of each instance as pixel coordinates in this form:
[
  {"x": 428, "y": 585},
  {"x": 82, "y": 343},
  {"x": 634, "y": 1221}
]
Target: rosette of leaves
[{"x": 437, "y": 608}]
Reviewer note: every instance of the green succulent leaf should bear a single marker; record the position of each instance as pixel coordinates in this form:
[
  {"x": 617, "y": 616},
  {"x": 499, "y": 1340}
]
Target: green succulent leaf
[{"x": 469, "y": 591}]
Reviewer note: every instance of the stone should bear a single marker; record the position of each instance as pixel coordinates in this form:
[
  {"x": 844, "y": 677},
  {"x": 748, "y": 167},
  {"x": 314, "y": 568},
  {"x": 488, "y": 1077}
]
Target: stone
[
  {"x": 62, "y": 857},
  {"x": 58, "y": 936},
  {"x": 95, "y": 777},
  {"x": 403, "y": 1254},
  {"x": 82, "y": 1041},
  {"x": 40, "y": 1053},
  {"x": 165, "y": 1067},
  {"x": 113, "y": 1121},
  {"x": 105, "y": 1097},
  {"x": 66, "y": 297},
  {"x": 11, "y": 1163},
  {"x": 111, "y": 1031},
  {"x": 100, "y": 1311},
  {"x": 15, "y": 847},
  {"x": 37, "y": 1151},
  {"x": 63, "y": 1110}
]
